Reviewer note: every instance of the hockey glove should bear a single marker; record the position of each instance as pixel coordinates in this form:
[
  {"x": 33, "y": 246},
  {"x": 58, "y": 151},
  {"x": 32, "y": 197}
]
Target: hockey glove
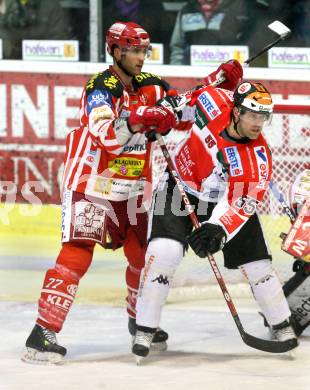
[
  {"x": 301, "y": 266},
  {"x": 175, "y": 104},
  {"x": 208, "y": 238},
  {"x": 232, "y": 72},
  {"x": 160, "y": 119}
]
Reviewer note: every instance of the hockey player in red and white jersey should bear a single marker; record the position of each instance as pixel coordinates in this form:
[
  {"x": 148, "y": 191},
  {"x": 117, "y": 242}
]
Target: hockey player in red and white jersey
[
  {"x": 106, "y": 182},
  {"x": 225, "y": 166}
]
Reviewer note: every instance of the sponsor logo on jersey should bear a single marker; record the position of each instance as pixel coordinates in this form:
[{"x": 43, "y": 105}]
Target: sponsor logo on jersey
[
  {"x": 65, "y": 213},
  {"x": 262, "y": 165},
  {"x": 143, "y": 76},
  {"x": 89, "y": 221},
  {"x": 59, "y": 301},
  {"x": 124, "y": 114},
  {"x": 103, "y": 185},
  {"x": 209, "y": 105},
  {"x": 231, "y": 221},
  {"x": 90, "y": 157},
  {"x": 111, "y": 82},
  {"x": 72, "y": 289},
  {"x": 234, "y": 160},
  {"x": 134, "y": 148},
  {"x": 161, "y": 280},
  {"x": 126, "y": 166},
  {"x": 98, "y": 98},
  {"x": 101, "y": 113}
]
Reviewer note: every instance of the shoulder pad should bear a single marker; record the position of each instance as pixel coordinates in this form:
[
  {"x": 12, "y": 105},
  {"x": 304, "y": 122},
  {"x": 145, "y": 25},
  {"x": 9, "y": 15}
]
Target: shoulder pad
[
  {"x": 105, "y": 80},
  {"x": 144, "y": 79}
]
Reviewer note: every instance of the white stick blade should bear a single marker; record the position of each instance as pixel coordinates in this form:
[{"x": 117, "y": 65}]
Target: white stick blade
[{"x": 279, "y": 28}]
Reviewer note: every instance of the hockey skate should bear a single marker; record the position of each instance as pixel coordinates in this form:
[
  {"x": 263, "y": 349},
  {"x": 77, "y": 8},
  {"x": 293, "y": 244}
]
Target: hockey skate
[
  {"x": 159, "y": 340},
  {"x": 283, "y": 332},
  {"x": 142, "y": 344},
  {"x": 42, "y": 347}
]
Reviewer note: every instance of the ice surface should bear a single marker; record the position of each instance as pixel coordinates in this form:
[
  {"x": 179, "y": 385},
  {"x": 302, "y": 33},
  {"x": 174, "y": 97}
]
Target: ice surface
[{"x": 205, "y": 352}]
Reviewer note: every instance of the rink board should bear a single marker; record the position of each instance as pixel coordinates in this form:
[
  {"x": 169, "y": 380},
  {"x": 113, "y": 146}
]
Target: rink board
[{"x": 30, "y": 243}]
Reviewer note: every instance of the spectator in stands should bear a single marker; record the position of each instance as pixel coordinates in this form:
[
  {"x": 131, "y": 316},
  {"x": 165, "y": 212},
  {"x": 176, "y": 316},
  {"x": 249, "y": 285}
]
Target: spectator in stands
[
  {"x": 31, "y": 19},
  {"x": 206, "y": 22},
  {"x": 78, "y": 13},
  {"x": 301, "y": 22},
  {"x": 257, "y": 35},
  {"x": 234, "y": 22},
  {"x": 149, "y": 13}
]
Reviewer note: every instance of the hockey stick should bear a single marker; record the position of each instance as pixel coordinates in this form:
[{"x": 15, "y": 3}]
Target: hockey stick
[
  {"x": 251, "y": 341},
  {"x": 280, "y": 198},
  {"x": 280, "y": 29}
]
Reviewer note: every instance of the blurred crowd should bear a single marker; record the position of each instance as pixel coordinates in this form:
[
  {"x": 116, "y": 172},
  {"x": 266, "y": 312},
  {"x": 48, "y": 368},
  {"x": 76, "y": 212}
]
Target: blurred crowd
[{"x": 175, "y": 23}]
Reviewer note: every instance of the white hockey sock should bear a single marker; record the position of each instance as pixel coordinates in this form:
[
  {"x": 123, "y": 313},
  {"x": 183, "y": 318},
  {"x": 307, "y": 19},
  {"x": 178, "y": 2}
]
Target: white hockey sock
[
  {"x": 267, "y": 290},
  {"x": 162, "y": 257}
]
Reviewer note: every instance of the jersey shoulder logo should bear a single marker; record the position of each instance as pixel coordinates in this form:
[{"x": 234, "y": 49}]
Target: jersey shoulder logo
[
  {"x": 146, "y": 79},
  {"x": 98, "y": 98},
  {"x": 105, "y": 80},
  {"x": 208, "y": 105}
]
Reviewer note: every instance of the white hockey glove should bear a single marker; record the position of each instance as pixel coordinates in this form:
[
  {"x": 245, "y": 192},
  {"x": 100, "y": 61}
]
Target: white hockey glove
[{"x": 175, "y": 104}]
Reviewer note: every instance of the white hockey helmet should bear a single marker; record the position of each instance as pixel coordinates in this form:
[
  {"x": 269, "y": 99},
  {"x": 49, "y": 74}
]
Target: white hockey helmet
[
  {"x": 253, "y": 97},
  {"x": 299, "y": 190}
]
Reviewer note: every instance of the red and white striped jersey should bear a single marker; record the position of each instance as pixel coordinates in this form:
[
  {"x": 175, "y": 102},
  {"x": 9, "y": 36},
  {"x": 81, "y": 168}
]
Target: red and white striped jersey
[
  {"x": 217, "y": 168},
  {"x": 106, "y": 169}
]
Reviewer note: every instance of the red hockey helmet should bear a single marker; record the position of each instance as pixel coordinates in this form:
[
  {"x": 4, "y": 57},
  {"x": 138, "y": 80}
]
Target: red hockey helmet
[{"x": 126, "y": 35}]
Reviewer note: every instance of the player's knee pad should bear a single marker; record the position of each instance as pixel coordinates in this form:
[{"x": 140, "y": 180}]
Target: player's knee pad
[
  {"x": 134, "y": 249},
  {"x": 57, "y": 295},
  {"x": 267, "y": 290},
  {"x": 162, "y": 258}
]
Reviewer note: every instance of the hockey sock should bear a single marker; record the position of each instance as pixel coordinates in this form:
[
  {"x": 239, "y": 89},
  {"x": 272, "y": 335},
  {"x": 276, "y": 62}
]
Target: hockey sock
[{"x": 57, "y": 295}]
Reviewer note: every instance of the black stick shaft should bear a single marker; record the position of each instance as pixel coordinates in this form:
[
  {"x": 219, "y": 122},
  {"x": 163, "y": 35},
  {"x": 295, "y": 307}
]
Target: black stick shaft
[{"x": 263, "y": 50}]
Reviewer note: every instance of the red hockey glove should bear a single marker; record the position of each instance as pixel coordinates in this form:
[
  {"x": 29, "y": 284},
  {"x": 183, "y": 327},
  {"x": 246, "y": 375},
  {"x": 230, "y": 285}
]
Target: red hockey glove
[
  {"x": 231, "y": 70},
  {"x": 208, "y": 238},
  {"x": 157, "y": 118}
]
